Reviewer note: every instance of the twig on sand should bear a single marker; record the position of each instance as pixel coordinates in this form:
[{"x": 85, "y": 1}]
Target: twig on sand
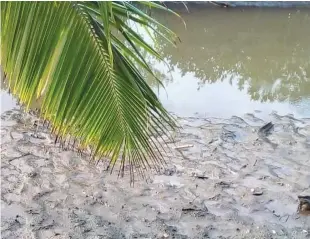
[
  {"x": 288, "y": 216},
  {"x": 24, "y": 155},
  {"x": 255, "y": 162},
  {"x": 202, "y": 177},
  {"x": 184, "y": 146}
]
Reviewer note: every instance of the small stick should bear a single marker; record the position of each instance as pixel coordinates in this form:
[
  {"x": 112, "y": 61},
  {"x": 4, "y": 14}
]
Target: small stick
[
  {"x": 24, "y": 155},
  {"x": 184, "y": 146},
  {"x": 288, "y": 216}
]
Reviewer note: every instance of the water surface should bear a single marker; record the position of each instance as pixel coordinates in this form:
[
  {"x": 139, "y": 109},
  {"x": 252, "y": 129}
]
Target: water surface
[{"x": 234, "y": 61}]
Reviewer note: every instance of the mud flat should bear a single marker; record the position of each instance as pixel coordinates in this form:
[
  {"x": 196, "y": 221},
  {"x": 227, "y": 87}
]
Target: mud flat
[{"x": 222, "y": 181}]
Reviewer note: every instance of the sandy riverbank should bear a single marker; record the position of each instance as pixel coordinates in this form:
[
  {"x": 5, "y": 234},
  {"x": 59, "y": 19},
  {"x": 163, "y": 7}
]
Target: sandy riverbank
[{"x": 205, "y": 192}]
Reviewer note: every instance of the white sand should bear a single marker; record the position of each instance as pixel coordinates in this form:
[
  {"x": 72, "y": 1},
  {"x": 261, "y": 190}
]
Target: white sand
[{"x": 205, "y": 192}]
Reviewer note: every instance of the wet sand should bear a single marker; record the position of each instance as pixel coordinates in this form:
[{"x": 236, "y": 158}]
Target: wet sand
[{"x": 230, "y": 184}]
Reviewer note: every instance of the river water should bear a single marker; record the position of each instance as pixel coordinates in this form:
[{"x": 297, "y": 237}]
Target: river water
[
  {"x": 236, "y": 61},
  {"x": 232, "y": 62}
]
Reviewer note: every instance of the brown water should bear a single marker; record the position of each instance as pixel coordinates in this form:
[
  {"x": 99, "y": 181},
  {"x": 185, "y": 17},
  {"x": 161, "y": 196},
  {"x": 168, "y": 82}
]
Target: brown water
[{"x": 234, "y": 61}]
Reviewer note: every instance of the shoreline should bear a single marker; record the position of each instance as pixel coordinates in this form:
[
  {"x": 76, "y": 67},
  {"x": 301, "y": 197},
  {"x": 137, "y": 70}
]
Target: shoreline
[
  {"x": 244, "y": 4},
  {"x": 229, "y": 184}
]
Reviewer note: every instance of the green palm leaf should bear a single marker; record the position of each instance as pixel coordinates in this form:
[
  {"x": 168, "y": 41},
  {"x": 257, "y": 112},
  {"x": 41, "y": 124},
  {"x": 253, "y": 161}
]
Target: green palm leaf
[{"x": 70, "y": 56}]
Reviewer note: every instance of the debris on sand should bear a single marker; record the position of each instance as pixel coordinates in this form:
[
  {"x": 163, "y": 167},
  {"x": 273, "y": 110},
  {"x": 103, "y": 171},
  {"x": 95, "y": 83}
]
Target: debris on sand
[
  {"x": 266, "y": 129},
  {"x": 304, "y": 205},
  {"x": 184, "y": 146},
  {"x": 202, "y": 177},
  {"x": 197, "y": 211},
  {"x": 256, "y": 192}
]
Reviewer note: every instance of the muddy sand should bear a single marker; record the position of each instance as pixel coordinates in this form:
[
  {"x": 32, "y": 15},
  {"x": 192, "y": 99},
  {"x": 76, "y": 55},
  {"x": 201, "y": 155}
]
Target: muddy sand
[{"x": 231, "y": 183}]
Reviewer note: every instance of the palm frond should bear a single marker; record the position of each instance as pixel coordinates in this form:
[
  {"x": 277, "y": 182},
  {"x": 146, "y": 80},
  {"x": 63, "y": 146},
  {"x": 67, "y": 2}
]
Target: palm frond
[{"x": 70, "y": 57}]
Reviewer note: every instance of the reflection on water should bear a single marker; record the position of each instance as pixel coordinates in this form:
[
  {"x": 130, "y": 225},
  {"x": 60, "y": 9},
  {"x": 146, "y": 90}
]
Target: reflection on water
[
  {"x": 7, "y": 101},
  {"x": 235, "y": 61}
]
